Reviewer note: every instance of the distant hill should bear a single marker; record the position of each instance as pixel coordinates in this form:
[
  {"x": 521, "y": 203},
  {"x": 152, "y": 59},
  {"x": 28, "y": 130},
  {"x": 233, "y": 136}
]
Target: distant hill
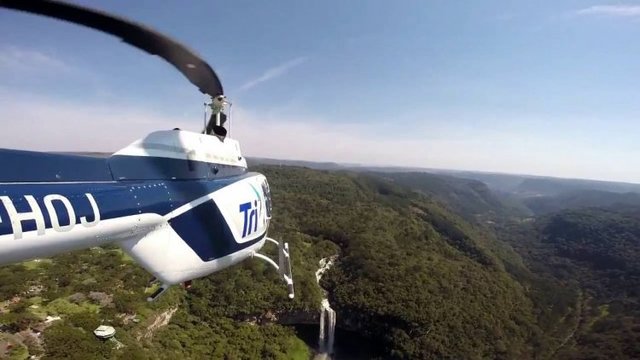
[
  {"x": 554, "y": 186},
  {"x": 580, "y": 199},
  {"x": 596, "y": 251},
  {"x": 253, "y": 161},
  {"x": 529, "y": 185},
  {"x": 486, "y": 196},
  {"x": 469, "y": 198},
  {"x": 511, "y": 184},
  {"x": 504, "y": 183}
]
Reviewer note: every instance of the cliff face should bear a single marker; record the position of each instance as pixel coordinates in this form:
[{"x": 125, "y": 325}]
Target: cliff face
[
  {"x": 288, "y": 318},
  {"x": 298, "y": 317}
]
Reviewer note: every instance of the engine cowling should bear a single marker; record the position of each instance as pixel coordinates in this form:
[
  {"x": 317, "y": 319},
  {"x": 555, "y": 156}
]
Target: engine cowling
[{"x": 208, "y": 234}]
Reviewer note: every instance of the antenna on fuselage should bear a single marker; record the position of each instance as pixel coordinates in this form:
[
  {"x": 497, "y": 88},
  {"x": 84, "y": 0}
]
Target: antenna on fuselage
[
  {"x": 230, "y": 117},
  {"x": 204, "y": 119}
]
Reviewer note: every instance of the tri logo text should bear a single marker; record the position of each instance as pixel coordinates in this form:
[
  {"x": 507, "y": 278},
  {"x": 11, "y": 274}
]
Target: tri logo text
[{"x": 250, "y": 222}]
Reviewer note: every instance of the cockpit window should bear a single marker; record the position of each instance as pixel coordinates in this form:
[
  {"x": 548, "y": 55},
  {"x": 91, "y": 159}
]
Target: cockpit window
[{"x": 267, "y": 197}]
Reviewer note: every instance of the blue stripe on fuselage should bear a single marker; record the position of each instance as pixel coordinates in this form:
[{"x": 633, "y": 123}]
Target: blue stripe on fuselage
[
  {"x": 205, "y": 230},
  {"x": 31, "y": 166},
  {"x": 114, "y": 199}
]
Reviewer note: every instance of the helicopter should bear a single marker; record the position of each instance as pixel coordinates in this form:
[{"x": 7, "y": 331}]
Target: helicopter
[{"x": 182, "y": 204}]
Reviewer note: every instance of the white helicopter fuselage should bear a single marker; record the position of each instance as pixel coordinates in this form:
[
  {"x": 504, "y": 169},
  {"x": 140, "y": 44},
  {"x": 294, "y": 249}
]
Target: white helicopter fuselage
[{"x": 182, "y": 204}]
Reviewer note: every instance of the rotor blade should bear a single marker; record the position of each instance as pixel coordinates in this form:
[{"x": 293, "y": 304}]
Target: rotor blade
[{"x": 190, "y": 65}]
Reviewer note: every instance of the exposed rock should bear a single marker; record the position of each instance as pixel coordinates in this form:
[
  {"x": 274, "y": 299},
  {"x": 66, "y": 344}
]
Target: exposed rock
[
  {"x": 31, "y": 340},
  {"x": 101, "y": 298},
  {"x": 161, "y": 320},
  {"x": 127, "y": 318},
  {"x": 296, "y": 317},
  {"x": 35, "y": 290},
  {"x": 77, "y": 298},
  {"x": 269, "y": 317},
  {"x": 51, "y": 319}
]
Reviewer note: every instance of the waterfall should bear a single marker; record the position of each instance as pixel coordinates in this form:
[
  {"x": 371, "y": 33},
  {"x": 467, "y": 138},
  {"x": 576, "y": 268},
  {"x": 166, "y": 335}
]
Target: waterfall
[{"x": 328, "y": 327}]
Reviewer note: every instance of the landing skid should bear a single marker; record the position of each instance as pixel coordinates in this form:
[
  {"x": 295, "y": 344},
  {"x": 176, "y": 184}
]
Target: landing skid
[
  {"x": 284, "y": 263},
  {"x": 156, "y": 294},
  {"x": 283, "y": 267}
]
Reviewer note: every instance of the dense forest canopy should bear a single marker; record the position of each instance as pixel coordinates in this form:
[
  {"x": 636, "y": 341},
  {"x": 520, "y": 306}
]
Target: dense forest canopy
[
  {"x": 427, "y": 266},
  {"x": 594, "y": 251}
]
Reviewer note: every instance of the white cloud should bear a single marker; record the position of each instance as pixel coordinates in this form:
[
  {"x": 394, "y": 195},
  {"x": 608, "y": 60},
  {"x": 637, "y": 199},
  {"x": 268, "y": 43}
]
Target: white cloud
[
  {"x": 45, "y": 124},
  {"x": 315, "y": 139},
  {"x": 273, "y": 73},
  {"x": 612, "y": 10},
  {"x": 14, "y": 58}
]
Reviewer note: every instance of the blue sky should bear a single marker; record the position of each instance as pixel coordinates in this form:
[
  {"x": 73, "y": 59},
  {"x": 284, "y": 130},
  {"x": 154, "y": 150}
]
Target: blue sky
[{"x": 546, "y": 87}]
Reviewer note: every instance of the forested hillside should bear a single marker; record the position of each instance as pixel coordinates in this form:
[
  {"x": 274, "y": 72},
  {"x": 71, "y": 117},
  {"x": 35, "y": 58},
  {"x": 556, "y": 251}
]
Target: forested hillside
[
  {"x": 541, "y": 205},
  {"x": 595, "y": 253},
  {"x": 471, "y": 199},
  {"x": 51, "y": 307},
  {"x": 528, "y": 185},
  {"x": 410, "y": 273},
  {"x": 416, "y": 276}
]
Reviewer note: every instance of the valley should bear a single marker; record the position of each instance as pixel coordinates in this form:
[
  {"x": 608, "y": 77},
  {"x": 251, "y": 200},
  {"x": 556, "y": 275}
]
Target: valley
[{"x": 424, "y": 265}]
